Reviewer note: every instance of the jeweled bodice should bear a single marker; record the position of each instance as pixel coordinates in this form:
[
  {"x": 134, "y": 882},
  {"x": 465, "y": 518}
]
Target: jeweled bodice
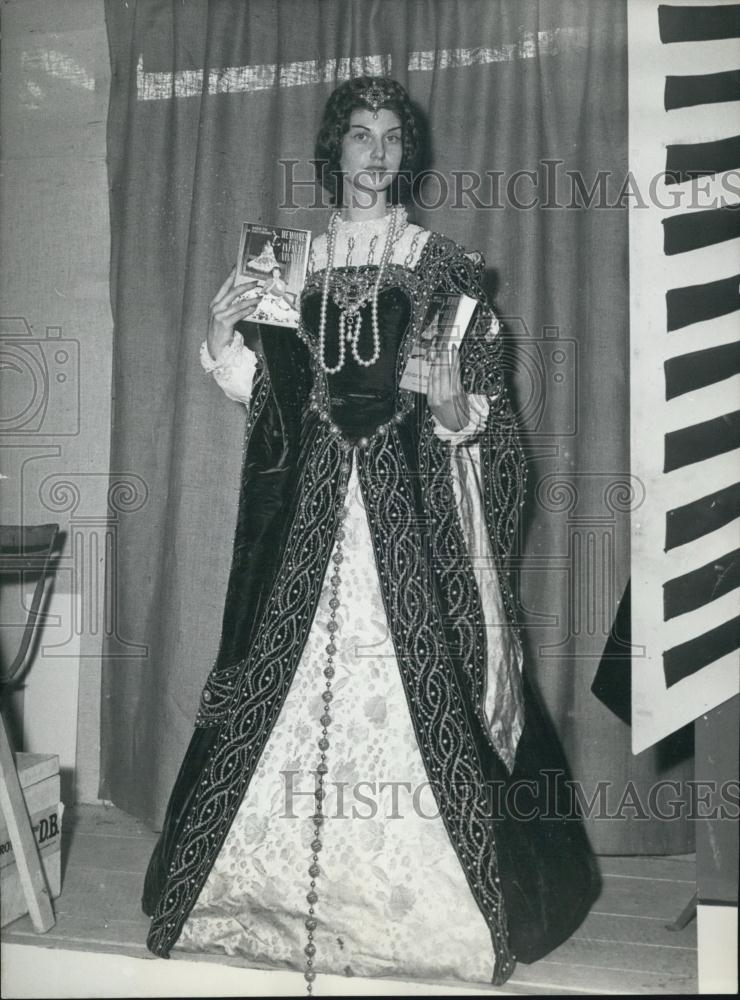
[{"x": 361, "y": 398}]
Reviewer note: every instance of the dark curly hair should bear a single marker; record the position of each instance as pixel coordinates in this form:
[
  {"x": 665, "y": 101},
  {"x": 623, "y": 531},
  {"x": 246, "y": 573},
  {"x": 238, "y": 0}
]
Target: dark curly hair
[{"x": 335, "y": 124}]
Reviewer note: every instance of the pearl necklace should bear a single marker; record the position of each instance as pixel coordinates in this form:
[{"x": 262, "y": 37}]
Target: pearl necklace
[{"x": 349, "y": 332}]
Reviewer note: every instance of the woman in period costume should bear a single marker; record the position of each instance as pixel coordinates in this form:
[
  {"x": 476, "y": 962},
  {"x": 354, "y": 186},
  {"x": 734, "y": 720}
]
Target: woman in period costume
[{"x": 350, "y": 799}]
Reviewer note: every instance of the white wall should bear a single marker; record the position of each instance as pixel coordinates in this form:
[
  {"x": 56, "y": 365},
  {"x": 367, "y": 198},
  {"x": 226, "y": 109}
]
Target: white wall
[{"x": 54, "y": 258}]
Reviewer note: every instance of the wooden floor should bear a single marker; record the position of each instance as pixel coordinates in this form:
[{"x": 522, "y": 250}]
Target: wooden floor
[{"x": 623, "y": 947}]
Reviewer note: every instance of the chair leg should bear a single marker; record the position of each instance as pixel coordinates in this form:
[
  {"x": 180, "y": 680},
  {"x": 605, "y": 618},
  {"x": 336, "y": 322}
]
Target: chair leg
[
  {"x": 13, "y": 807},
  {"x": 687, "y": 914}
]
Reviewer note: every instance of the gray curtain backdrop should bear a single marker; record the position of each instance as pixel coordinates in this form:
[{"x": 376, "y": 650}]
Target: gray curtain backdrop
[{"x": 206, "y": 100}]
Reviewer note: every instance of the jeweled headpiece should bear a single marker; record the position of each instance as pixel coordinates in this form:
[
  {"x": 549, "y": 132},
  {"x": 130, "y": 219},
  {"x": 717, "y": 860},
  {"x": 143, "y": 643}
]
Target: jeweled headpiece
[{"x": 375, "y": 96}]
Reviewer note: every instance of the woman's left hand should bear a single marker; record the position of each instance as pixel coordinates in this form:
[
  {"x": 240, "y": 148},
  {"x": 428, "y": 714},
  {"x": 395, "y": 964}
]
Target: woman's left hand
[{"x": 446, "y": 397}]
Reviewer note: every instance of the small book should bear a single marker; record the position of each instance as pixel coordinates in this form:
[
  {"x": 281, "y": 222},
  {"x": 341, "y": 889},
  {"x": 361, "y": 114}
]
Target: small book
[
  {"x": 451, "y": 316},
  {"x": 277, "y": 259}
]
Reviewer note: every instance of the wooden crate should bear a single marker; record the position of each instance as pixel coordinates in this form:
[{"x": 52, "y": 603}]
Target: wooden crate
[{"x": 39, "y": 779}]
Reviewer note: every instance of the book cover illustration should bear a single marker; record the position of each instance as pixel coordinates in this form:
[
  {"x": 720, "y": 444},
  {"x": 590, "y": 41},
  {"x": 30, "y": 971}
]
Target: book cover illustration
[
  {"x": 451, "y": 316},
  {"x": 277, "y": 259}
]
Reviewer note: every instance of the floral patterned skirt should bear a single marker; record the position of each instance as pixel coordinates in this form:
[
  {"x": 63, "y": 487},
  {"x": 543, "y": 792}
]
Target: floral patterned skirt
[{"x": 393, "y": 898}]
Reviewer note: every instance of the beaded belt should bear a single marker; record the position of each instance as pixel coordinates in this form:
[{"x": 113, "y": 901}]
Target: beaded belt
[{"x": 335, "y": 580}]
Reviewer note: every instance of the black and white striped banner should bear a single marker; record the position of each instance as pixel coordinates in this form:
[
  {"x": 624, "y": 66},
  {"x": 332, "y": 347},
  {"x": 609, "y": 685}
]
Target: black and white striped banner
[{"x": 684, "y": 106}]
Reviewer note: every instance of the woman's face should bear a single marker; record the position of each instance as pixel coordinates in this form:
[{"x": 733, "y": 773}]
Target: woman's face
[{"x": 372, "y": 150}]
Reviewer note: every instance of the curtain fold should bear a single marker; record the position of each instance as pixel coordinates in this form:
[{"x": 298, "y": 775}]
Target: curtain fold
[{"x": 206, "y": 101}]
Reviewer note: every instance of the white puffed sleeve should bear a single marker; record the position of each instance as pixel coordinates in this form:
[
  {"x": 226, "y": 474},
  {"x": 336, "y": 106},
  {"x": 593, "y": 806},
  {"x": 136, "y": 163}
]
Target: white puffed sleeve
[
  {"x": 479, "y": 407},
  {"x": 233, "y": 369}
]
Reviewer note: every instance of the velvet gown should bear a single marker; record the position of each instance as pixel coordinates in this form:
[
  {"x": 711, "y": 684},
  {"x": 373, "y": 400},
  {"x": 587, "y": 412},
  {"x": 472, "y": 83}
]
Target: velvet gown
[{"x": 528, "y": 868}]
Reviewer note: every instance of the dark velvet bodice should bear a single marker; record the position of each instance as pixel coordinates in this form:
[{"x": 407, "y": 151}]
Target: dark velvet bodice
[{"x": 362, "y": 398}]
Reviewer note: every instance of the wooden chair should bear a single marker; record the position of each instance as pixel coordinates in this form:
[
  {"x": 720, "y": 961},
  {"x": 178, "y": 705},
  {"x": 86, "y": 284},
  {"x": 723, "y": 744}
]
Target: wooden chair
[{"x": 25, "y": 549}]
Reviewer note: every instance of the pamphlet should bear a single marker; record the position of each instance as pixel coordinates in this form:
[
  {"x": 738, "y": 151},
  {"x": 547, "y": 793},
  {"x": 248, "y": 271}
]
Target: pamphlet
[
  {"x": 277, "y": 259},
  {"x": 451, "y": 317}
]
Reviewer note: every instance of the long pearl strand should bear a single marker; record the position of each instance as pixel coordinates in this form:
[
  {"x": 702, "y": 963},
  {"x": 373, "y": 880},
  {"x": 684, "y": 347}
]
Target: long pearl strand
[
  {"x": 330, "y": 251},
  {"x": 355, "y": 322}
]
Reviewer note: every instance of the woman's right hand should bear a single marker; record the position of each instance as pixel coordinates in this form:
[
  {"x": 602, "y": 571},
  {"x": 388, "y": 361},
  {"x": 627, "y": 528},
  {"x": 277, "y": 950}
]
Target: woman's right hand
[{"x": 226, "y": 310}]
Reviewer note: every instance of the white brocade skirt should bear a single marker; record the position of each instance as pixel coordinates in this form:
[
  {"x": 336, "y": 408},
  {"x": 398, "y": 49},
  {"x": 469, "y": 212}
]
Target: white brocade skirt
[{"x": 393, "y": 898}]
